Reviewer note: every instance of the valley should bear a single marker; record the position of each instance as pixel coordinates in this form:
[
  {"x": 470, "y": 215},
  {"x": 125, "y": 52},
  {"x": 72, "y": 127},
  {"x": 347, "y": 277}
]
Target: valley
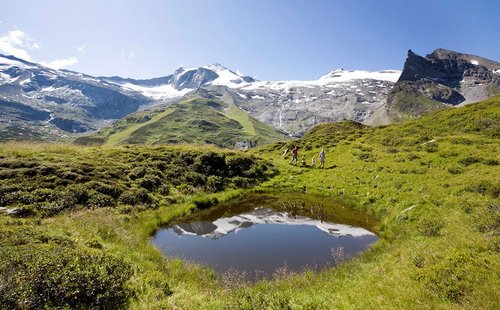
[{"x": 87, "y": 213}]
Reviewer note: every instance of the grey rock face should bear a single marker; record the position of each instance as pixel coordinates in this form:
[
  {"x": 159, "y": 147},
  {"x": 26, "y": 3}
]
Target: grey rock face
[
  {"x": 297, "y": 108},
  {"x": 451, "y": 77},
  {"x": 192, "y": 78}
]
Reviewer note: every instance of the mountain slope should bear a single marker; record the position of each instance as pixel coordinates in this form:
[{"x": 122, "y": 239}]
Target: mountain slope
[
  {"x": 40, "y": 103},
  {"x": 196, "y": 120},
  {"x": 56, "y": 103},
  {"x": 66, "y": 102}
]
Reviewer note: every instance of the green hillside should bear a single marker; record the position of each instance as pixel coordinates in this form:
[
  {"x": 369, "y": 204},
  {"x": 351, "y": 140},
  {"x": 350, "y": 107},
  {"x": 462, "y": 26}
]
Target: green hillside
[
  {"x": 193, "y": 121},
  {"x": 82, "y": 234}
]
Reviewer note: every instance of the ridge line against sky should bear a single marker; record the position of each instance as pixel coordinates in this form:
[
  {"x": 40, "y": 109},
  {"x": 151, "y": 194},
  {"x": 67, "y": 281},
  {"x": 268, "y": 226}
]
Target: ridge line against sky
[{"x": 268, "y": 40}]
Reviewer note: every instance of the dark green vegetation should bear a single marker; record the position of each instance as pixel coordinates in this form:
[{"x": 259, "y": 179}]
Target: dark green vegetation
[
  {"x": 195, "y": 121},
  {"x": 40, "y": 266},
  {"x": 432, "y": 184}
]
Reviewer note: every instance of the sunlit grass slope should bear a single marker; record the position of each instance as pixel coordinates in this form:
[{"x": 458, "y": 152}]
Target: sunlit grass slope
[
  {"x": 432, "y": 184},
  {"x": 195, "y": 120}
]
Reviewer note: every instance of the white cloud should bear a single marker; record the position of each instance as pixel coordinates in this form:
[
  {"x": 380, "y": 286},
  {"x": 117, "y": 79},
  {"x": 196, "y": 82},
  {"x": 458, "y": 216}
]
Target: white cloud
[
  {"x": 16, "y": 43},
  {"x": 80, "y": 49},
  {"x": 60, "y": 63}
]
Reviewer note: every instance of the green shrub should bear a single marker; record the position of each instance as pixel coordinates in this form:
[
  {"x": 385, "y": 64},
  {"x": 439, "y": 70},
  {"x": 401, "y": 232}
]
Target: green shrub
[
  {"x": 205, "y": 203},
  {"x": 78, "y": 192},
  {"x": 137, "y": 172},
  {"x": 467, "y": 161},
  {"x": 109, "y": 190},
  {"x": 237, "y": 165},
  {"x": 214, "y": 183},
  {"x": 490, "y": 162},
  {"x": 485, "y": 187},
  {"x": 45, "y": 276},
  {"x": 150, "y": 182},
  {"x": 135, "y": 196},
  {"x": 174, "y": 174},
  {"x": 430, "y": 147},
  {"x": 239, "y": 182},
  {"x": 211, "y": 163},
  {"x": 195, "y": 179},
  {"x": 99, "y": 200},
  {"x": 164, "y": 190},
  {"x": 51, "y": 208},
  {"x": 455, "y": 170}
]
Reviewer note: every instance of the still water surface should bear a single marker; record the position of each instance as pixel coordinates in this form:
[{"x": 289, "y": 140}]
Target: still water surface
[{"x": 259, "y": 234}]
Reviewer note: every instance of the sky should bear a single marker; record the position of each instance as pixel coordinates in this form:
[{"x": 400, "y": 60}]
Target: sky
[{"x": 265, "y": 39}]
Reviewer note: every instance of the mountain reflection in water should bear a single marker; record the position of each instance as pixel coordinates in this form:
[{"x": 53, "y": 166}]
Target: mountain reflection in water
[
  {"x": 259, "y": 242},
  {"x": 223, "y": 226}
]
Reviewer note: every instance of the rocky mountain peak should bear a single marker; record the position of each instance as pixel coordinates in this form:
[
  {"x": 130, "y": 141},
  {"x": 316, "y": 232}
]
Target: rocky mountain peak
[
  {"x": 193, "y": 78},
  {"x": 442, "y": 78}
]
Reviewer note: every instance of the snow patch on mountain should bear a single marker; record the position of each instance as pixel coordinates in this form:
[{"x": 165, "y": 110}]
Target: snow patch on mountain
[
  {"x": 342, "y": 75},
  {"x": 226, "y": 77},
  {"x": 158, "y": 92}
]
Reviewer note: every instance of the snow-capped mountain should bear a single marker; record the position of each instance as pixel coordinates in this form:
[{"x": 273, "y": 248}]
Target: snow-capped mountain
[
  {"x": 296, "y": 106},
  {"x": 182, "y": 81},
  {"x": 291, "y": 106},
  {"x": 58, "y": 101}
]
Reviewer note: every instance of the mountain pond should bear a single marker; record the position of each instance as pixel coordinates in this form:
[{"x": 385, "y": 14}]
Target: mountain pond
[{"x": 260, "y": 234}]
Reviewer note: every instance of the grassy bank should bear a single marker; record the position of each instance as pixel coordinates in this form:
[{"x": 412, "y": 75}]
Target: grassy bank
[{"x": 432, "y": 184}]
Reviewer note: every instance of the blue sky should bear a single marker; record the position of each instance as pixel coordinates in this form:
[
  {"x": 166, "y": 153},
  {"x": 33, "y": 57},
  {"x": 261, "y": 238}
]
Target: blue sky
[{"x": 266, "y": 39}]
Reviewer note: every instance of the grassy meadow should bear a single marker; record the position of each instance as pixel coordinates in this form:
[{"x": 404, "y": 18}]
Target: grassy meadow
[
  {"x": 80, "y": 237},
  {"x": 194, "y": 120}
]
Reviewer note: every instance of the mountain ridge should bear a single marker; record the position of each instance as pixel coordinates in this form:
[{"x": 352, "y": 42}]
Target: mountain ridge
[
  {"x": 441, "y": 79},
  {"x": 80, "y": 103}
]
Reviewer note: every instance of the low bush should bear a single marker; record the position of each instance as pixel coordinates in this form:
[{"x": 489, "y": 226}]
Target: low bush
[
  {"x": 205, "y": 203},
  {"x": 137, "y": 172},
  {"x": 467, "y": 161},
  {"x": 150, "y": 182},
  {"x": 46, "y": 276},
  {"x": 99, "y": 200},
  {"x": 135, "y": 196},
  {"x": 214, "y": 184}
]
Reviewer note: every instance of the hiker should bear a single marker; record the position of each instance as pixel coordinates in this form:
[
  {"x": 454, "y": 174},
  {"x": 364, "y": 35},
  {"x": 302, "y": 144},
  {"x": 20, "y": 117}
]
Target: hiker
[
  {"x": 313, "y": 162},
  {"x": 295, "y": 154},
  {"x": 322, "y": 158},
  {"x": 304, "y": 160}
]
